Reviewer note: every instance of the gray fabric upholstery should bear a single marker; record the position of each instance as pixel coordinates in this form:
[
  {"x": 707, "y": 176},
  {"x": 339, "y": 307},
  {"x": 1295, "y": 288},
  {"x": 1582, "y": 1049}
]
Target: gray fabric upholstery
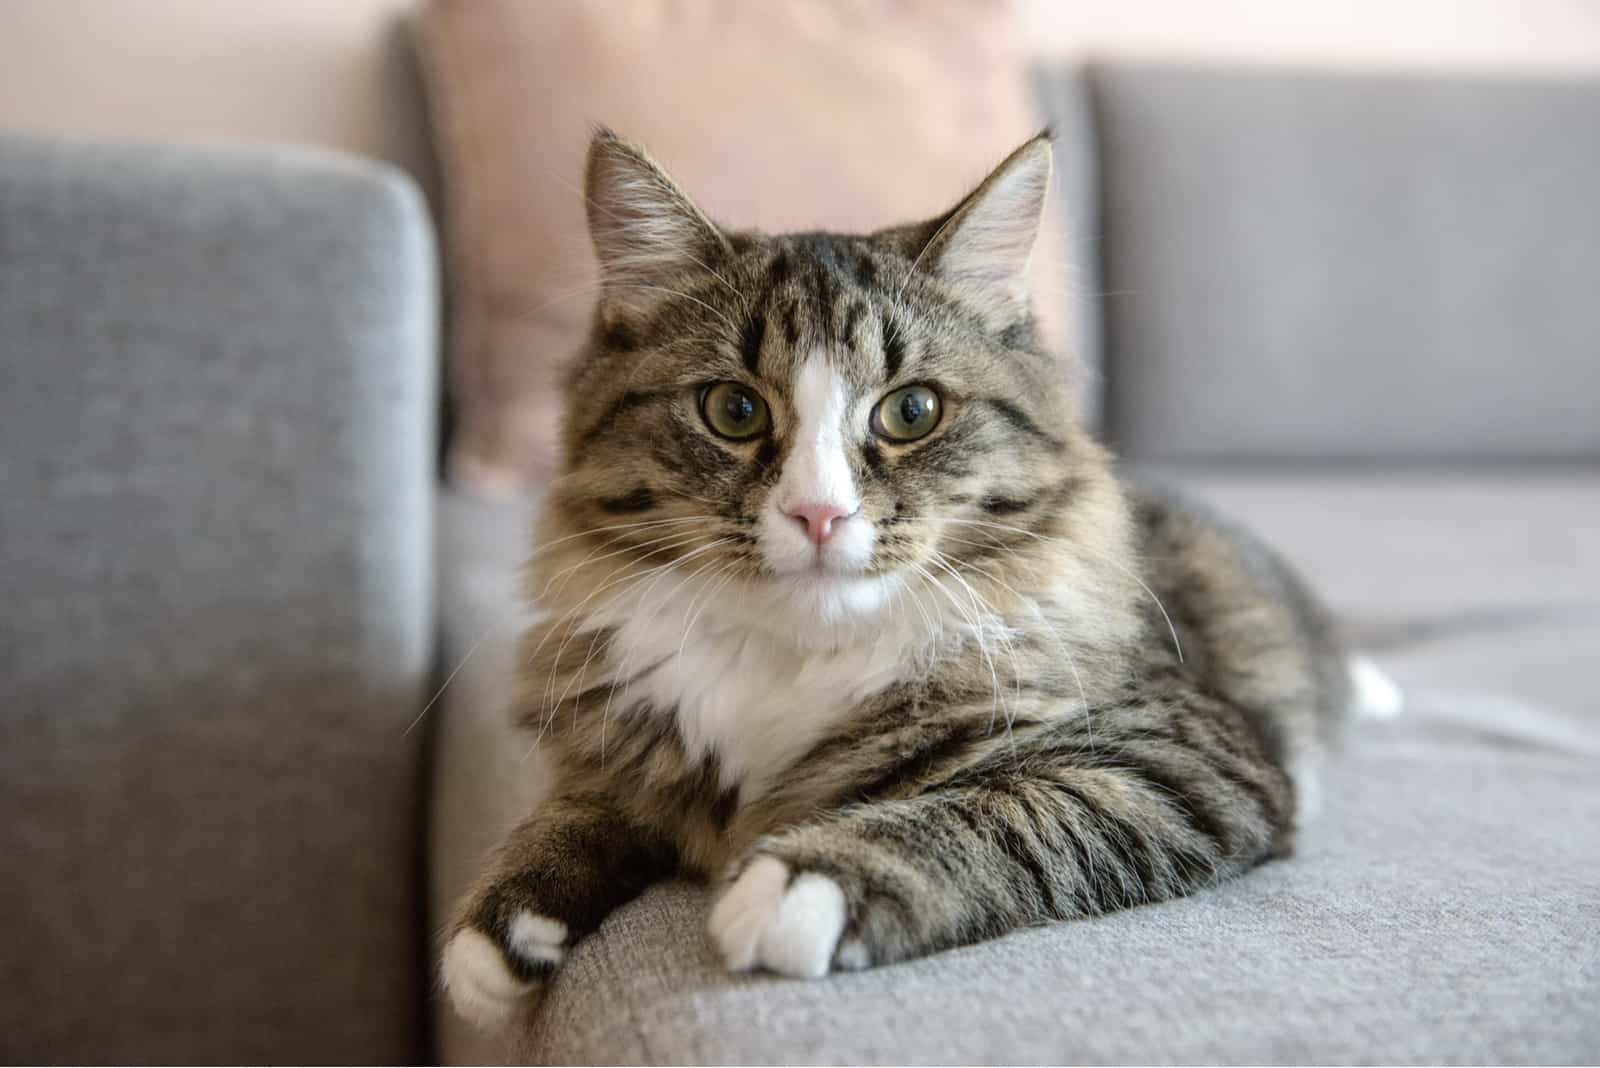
[
  {"x": 217, "y": 389},
  {"x": 1322, "y": 266},
  {"x": 1446, "y": 908}
]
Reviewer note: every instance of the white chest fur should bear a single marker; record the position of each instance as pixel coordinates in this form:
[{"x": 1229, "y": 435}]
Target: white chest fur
[{"x": 746, "y": 695}]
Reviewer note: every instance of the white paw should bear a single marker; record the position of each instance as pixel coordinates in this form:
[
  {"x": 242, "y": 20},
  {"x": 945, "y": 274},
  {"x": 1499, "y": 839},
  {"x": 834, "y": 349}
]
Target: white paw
[
  {"x": 482, "y": 986},
  {"x": 765, "y": 921},
  {"x": 1375, "y": 694},
  {"x": 538, "y": 939}
]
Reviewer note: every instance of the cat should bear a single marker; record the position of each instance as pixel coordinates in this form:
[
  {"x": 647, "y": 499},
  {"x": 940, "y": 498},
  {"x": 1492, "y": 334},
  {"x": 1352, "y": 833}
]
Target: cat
[{"x": 845, "y": 609}]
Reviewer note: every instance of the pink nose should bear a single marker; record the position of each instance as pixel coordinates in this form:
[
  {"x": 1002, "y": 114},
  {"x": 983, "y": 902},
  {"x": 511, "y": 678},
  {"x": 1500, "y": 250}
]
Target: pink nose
[{"x": 819, "y": 520}]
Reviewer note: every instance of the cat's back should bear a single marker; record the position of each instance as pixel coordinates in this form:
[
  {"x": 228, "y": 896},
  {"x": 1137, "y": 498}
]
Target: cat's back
[{"x": 1249, "y": 628}]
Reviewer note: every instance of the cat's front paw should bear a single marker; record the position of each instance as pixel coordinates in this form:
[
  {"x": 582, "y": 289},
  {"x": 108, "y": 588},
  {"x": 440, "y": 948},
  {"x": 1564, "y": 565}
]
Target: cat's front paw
[
  {"x": 784, "y": 921},
  {"x": 492, "y": 980}
]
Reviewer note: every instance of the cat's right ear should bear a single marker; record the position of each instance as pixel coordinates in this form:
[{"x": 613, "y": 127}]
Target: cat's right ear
[
  {"x": 645, "y": 229},
  {"x": 984, "y": 246}
]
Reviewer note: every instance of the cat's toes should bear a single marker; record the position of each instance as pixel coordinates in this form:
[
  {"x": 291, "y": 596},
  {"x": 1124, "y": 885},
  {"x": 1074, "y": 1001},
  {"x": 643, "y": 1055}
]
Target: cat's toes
[
  {"x": 480, "y": 983},
  {"x": 768, "y": 920},
  {"x": 489, "y": 984}
]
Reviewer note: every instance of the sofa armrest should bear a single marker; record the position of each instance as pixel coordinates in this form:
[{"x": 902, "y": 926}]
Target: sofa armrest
[{"x": 217, "y": 447}]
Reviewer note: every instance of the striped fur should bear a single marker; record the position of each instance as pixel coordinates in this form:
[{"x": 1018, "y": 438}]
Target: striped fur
[{"x": 1046, "y": 695}]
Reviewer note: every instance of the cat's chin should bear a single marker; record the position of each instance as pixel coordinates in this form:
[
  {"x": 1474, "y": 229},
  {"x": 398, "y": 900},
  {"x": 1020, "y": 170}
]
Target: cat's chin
[
  {"x": 815, "y": 605},
  {"x": 826, "y": 597}
]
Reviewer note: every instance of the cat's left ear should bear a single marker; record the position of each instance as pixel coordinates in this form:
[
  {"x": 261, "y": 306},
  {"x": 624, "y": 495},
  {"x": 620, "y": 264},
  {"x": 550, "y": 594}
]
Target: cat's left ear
[{"x": 983, "y": 247}]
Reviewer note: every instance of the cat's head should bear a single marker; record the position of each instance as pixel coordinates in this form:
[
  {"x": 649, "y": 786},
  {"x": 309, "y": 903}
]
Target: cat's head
[{"x": 812, "y": 428}]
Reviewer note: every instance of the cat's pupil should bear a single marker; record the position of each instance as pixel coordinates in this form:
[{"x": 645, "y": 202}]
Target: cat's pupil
[
  {"x": 912, "y": 410},
  {"x": 738, "y": 407}
]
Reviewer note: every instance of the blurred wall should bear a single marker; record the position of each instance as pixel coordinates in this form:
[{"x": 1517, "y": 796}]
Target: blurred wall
[
  {"x": 335, "y": 72},
  {"x": 1489, "y": 36}
]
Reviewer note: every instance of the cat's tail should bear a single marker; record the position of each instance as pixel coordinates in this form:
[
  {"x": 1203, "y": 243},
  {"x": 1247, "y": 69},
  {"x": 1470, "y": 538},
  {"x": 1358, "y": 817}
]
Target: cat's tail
[{"x": 1373, "y": 694}]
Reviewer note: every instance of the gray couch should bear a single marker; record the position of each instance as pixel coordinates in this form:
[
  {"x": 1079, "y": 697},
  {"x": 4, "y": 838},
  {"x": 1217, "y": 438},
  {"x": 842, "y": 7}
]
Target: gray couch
[{"x": 1358, "y": 314}]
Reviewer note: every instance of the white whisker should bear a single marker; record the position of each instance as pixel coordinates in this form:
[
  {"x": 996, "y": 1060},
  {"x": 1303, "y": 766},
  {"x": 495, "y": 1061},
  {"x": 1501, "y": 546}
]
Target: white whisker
[
  {"x": 644, "y": 597},
  {"x": 977, "y": 630},
  {"x": 606, "y": 584},
  {"x": 544, "y": 547},
  {"x": 1173, "y": 630},
  {"x": 654, "y": 544},
  {"x": 1049, "y": 628},
  {"x": 988, "y": 610},
  {"x": 481, "y": 638}
]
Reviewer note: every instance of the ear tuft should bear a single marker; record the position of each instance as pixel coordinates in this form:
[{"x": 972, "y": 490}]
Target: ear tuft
[
  {"x": 985, "y": 245},
  {"x": 644, "y": 227}
]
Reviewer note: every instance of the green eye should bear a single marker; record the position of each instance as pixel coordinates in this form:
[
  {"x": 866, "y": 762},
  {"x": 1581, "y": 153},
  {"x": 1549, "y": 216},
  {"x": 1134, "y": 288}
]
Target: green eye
[
  {"x": 906, "y": 414},
  {"x": 734, "y": 411}
]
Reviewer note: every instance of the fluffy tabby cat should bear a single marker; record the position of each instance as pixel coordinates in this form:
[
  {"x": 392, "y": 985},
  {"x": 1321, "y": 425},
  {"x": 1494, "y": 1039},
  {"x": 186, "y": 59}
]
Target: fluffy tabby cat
[{"x": 844, "y": 610}]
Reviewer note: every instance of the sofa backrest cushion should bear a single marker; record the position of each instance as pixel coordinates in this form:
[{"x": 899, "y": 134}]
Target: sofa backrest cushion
[{"x": 1343, "y": 266}]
